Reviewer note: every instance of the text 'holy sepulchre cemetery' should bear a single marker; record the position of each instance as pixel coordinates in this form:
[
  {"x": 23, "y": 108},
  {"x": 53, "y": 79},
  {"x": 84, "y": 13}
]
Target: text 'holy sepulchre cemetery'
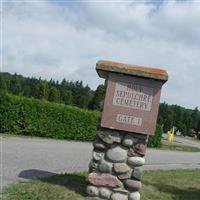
[{"x": 129, "y": 115}]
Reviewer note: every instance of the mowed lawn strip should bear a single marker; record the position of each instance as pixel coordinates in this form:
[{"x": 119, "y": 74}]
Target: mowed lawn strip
[
  {"x": 171, "y": 185},
  {"x": 157, "y": 185}
]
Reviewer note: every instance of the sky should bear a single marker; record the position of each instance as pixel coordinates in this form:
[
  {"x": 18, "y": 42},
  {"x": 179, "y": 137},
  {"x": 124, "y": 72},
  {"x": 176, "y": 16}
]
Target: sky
[{"x": 65, "y": 39}]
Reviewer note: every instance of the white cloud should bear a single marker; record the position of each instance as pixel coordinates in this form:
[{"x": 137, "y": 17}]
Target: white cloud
[{"x": 65, "y": 39}]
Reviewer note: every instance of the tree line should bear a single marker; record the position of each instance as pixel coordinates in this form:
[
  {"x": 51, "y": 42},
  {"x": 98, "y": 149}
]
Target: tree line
[
  {"x": 67, "y": 92},
  {"x": 187, "y": 121},
  {"x": 77, "y": 94}
]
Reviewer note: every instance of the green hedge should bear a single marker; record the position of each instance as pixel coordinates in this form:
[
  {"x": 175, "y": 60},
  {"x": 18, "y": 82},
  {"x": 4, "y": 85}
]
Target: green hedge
[
  {"x": 28, "y": 116},
  {"x": 33, "y": 117},
  {"x": 155, "y": 140}
]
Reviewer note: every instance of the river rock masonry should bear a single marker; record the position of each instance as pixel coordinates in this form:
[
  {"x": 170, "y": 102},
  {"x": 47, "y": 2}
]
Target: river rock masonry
[{"x": 115, "y": 170}]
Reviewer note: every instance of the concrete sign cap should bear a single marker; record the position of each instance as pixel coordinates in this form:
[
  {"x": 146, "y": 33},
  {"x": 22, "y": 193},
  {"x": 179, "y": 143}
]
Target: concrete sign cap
[{"x": 105, "y": 67}]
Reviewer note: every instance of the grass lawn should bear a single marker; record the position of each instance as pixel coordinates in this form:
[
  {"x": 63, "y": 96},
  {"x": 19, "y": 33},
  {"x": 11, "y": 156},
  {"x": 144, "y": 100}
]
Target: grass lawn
[
  {"x": 166, "y": 145},
  {"x": 157, "y": 185}
]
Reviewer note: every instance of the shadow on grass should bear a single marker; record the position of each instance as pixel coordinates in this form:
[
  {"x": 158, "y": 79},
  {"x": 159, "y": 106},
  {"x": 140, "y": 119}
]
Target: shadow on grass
[
  {"x": 75, "y": 182},
  {"x": 177, "y": 192}
]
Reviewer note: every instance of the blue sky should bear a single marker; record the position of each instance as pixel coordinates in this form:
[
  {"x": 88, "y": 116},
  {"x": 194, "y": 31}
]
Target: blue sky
[{"x": 63, "y": 39}]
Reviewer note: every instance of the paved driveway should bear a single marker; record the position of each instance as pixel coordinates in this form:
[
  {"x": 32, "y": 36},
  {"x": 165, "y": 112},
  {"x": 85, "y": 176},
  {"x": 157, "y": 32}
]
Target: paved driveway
[
  {"x": 23, "y": 158},
  {"x": 184, "y": 141},
  {"x": 187, "y": 142}
]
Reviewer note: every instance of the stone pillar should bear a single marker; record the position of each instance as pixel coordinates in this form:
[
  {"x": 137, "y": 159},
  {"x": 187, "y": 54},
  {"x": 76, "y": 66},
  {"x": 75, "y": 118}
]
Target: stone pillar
[{"x": 129, "y": 115}]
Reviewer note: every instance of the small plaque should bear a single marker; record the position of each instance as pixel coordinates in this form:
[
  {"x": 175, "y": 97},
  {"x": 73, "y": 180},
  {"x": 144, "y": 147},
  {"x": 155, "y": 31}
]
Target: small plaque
[
  {"x": 126, "y": 119},
  {"x": 131, "y": 103}
]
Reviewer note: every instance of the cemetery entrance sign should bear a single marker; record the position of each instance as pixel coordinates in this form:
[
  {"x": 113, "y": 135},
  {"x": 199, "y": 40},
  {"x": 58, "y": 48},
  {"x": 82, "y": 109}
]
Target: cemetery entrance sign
[
  {"x": 129, "y": 115},
  {"x": 132, "y": 104},
  {"x": 132, "y": 99}
]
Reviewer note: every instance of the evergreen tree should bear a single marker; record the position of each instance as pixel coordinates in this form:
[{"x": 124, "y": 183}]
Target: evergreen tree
[
  {"x": 15, "y": 85},
  {"x": 182, "y": 128},
  {"x": 67, "y": 97},
  {"x": 194, "y": 118},
  {"x": 54, "y": 94},
  {"x": 187, "y": 120},
  {"x": 198, "y": 125},
  {"x": 169, "y": 122},
  {"x": 83, "y": 103},
  {"x": 177, "y": 114},
  {"x": 98, "y": 98},
  {"x": 43, "y": 90},
  {"x": 3, "y": 85},
  {"x": 27, "y": 91},
  {"x": 34, "y": 87},
  {"x": 63, "y": 83},
  {"x": 162, "y": 115}
]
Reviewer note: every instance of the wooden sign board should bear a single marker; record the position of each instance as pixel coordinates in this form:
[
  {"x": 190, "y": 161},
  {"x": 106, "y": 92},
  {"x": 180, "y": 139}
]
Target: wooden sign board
[{"x": 131, "y": 103}]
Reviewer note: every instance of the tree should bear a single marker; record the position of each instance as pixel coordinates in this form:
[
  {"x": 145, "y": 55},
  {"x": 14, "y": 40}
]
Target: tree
[
  {"x": 3, "y": 85},
  {"x": 160, "y": 120},
  {"x": 98, "y": 98},
  {"x": 67, "y": 97},
  {"x": 35, "y": 87},
  {"x": 43, "y": 90},
  {"x": 182, "y": 128},
  {"x": 194, "y": 118},
  {"x": 169, "y": 122},
  {"x": 187, "y": 120},
  {"x": 198, "y": 125},
  {"x": 15, "y": 85},
  {"x": 83, "y": 102},
  {"x": 54, "y": 94},
  {"x": 177, "y": 114},
  {"x": 63, "y": 82},
  {"x": 27, "y": 90},
  {"x": 163, "y": 113}
]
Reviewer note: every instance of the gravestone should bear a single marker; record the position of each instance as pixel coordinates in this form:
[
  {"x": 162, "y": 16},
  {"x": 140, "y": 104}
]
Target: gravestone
[{"x": 129, "y": 115}]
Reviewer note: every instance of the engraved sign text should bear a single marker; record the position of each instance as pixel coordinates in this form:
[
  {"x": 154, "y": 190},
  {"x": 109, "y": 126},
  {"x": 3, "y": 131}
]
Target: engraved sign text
[
  {"x": 126, "y": 119},
  {"x": 133, "y": 96}
]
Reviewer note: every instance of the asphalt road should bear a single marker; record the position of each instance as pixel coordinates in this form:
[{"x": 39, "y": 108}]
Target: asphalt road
[
  {"x": 23, "y": 158},
  {"x": 186, "y": 141}
]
